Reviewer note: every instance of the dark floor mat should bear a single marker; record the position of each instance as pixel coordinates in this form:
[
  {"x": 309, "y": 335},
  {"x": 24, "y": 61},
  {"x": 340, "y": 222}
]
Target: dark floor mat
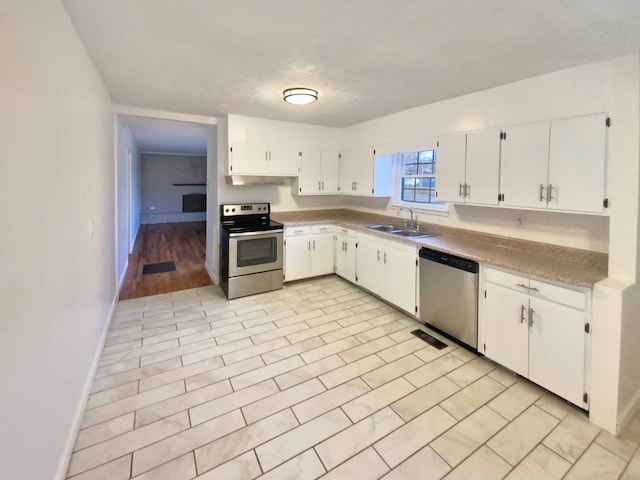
[
  {"x": 433, "y": 341},
  {"x": 158, "y": 267}
]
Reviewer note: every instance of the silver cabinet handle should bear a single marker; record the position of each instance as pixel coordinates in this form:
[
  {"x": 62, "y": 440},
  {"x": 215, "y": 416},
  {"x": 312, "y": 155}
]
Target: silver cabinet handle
[
  {"x": 309, "y": 245},
  {"x": 542, "y": 199},
  {"x": 355, "y": 186},
  {"x": 385, "y": 258},
  {"x": 318, "y": 185},
  {"x": 522, "y": 285},
  {"x": 531, "y": 312},
  {"x": 522, "y": 309},
  {"x": 323, "y": 186},
  {"x": 550, "y": 193},
  {"x": 378, "y": 255},
  {"x": 314, "y": 244},
  {"x": 460, "y": 194},
  {"x": 467, "y": 190}
]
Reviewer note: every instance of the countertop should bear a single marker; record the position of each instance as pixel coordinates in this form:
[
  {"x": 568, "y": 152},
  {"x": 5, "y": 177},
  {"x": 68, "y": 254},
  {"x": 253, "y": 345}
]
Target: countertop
[{"x": 565, "y": 265}]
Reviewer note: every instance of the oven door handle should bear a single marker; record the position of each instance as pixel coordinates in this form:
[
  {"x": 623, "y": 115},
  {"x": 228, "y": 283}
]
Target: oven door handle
[{"x": 253, "y": 234}]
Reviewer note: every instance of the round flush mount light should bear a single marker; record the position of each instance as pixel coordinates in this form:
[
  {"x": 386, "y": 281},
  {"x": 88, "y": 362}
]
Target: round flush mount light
[{"x": 300, "y": 96}]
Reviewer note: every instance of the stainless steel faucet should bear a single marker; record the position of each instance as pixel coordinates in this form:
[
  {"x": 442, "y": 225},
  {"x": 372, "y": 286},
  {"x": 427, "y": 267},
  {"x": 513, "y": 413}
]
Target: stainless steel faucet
[{"x": 411, "y": 212}]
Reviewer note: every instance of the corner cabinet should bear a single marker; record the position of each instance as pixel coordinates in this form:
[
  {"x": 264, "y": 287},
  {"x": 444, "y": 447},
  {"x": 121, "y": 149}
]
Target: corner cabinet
[
  {"x": 558, "y": 165},
  {"x": 319, "y": 173},
  {"x": 388, "y": 269},
  {"x": 308, "y": 251},
  {"x": 365, "y": 174},
  {"x": 539, "y": 330},
  {"x": 468, "y": 167}
]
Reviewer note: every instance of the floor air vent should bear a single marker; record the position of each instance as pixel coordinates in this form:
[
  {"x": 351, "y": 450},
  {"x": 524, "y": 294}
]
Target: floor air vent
[
  {"x": 433, "y": 341},
  {"x": 158, "y": 267}
]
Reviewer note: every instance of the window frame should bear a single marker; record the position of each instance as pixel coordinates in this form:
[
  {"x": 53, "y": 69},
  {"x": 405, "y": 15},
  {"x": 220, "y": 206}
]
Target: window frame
[{"x": 398, "y": 175}]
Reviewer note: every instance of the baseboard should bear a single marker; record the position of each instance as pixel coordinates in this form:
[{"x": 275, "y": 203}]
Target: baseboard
[
  {"x": 628, "y": 413},
  {"x": 77, "y": 421},
  {"x": 211, "y": 273},
  {"x": 122, "y": 277}
]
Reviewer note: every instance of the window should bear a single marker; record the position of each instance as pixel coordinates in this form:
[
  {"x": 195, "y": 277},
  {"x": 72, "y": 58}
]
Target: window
[{"x": 418, "y": 180}]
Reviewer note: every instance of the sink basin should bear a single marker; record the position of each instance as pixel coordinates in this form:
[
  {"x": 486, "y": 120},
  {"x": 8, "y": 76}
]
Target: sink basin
[
  {"x": 400, "y": 231},
  {"x": 385, "y": 228}
]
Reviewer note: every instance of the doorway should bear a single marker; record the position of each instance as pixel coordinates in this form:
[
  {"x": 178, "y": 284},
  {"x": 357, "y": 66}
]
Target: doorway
[{"x": 165, "y": 239}]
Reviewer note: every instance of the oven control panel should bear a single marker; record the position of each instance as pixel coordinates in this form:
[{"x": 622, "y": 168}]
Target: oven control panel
[{"x": 232, "y": 210}]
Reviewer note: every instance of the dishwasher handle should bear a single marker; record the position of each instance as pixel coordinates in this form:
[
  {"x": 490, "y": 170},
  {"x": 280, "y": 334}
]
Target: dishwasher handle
[{"x": 449, "y": 260}]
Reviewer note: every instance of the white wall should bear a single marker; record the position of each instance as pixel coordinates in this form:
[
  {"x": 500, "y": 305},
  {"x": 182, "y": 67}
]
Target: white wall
[
  {"x": 128, "y": 194},
  {"x": 616, "y": 301},
  {"x": 576, "y": 91},
  {"x": 57, "y": 283}
]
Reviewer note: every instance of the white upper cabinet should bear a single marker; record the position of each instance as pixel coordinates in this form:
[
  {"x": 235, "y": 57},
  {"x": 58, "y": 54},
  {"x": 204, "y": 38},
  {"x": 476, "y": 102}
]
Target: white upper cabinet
[
  {"x": 577, "y": 153},
  {"x": 258, "y": 146},
  {"x": 468, "y": 166},
  {"x": 450, "y": 167},
  {"x": 248, "y": 159},
  {"x": 319, "y": 173},
  {"x": 483, "y": 166},
  {"x": 557, "y": 165},
  {"x": 365, "y": 174},
  {"x": 525, "y": 154}
]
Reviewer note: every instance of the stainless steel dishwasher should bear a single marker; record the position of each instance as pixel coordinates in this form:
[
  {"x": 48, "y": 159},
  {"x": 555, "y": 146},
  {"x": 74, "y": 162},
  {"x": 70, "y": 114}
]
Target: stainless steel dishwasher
[{"x": 449, "y": 295}]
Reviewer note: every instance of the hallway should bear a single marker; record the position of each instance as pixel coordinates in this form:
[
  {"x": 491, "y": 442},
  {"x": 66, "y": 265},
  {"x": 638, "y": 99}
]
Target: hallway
[{"x": 182, "y": 243}]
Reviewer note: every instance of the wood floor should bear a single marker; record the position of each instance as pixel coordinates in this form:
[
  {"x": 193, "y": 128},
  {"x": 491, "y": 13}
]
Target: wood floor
[{"x": 182, "y": 243}]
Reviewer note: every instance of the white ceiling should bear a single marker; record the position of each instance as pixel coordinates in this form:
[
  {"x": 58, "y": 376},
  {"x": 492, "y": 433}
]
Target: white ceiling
[
  {"x": 155, "y": 135},
  {"x": 367, "y": 58}
]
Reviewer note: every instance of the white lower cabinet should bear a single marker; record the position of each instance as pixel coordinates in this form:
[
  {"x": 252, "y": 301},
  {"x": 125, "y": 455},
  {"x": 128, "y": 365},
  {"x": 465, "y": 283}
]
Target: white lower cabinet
[
  {"x": 345, "y": 253},
  {"x": 308, "y": 251},
  {"x": 388, "y": 269},
  {"x": 539, "y": 330}
]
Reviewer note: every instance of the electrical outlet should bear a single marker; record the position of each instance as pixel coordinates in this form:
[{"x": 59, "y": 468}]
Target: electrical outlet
[
  {"x": 520, "y": 221},
  {"x": 91, "y": 228}
]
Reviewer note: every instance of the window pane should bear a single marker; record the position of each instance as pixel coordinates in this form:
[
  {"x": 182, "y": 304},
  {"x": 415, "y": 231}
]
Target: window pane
[
  {"x": 425, "y": 169},
  {"x": 410, "y": 169},
  {"x": 410, "y": 157},
  {"x": 426, "y": 156},
  {"x": 423, "y": 195},
  {"x": 410, "y": 182},
  {"x": 408, "y": 195},
  {"x": 425, "y": 182}
]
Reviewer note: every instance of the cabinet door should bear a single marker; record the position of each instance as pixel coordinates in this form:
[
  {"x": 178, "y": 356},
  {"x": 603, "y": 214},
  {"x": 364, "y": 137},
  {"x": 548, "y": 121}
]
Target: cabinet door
[
  {"x": 283, "y": 161},
  {"x": 321, "y": 254},
  {"x": 557, "y": 349},
  {"x": 577, "y": 153},
  {"x": 524, "y": 162},
  {"x": 309, "y": 179},
  {"x": 330, "y": 174},
  {"x": 369, "y": 265},
  {"x": 400, "y": 277},
  {"x": 248, "y": 159},
  {"x": 345, "y": 256},
  {"x": 297, "y": 258},
  {"x": 450, "y": 167},
  {"x": 348, "y": 171},
  {"x": 483, "y": 167},
  {"x": 506, "y": 338}
]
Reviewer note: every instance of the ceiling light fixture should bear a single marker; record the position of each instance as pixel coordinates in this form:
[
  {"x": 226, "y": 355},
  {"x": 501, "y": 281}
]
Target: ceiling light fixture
[{"x": 300, "y": 96}]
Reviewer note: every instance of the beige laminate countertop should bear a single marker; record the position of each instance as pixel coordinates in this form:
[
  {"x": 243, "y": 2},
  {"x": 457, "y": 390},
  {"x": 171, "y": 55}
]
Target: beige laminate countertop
[{"x": 570, "y": 266}]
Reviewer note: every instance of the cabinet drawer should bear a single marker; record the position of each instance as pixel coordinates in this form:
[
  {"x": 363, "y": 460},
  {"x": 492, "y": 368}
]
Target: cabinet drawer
[
  {"x": 345, "y": 231},
  {"x": 322, "y": 229},
  {"x": 562, "y": 295},
  {"x": 293, "y": 231},
  {"x": 509, "y": 280}
]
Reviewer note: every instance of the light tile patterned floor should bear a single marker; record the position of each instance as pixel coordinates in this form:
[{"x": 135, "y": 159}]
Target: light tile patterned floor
[{"x": 319, "y": 379}]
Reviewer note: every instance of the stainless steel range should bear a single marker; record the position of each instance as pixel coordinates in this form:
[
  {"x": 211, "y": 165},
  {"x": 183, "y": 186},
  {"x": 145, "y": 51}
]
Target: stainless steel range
[{"x": 251, "y": 250}]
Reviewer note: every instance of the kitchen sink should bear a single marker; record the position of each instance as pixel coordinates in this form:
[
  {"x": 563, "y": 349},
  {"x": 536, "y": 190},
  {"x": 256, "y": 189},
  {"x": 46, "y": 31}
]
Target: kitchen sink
[
  {"x": 401, "y": 231},
  {"x": 385, "y": 228}
]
